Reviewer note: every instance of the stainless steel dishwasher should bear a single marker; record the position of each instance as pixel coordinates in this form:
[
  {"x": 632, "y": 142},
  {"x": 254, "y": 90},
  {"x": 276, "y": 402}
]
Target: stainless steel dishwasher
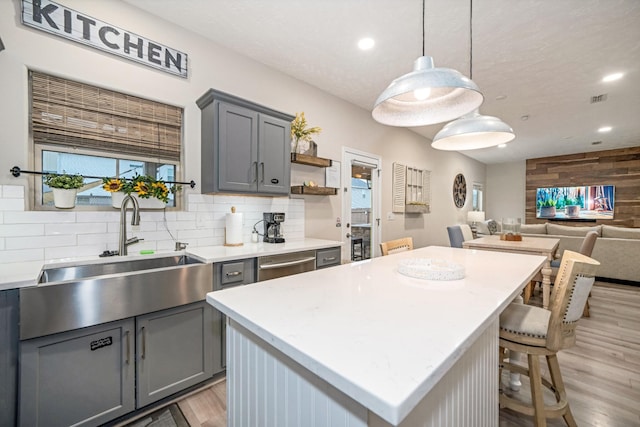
[{"x": 272, "y": 266}]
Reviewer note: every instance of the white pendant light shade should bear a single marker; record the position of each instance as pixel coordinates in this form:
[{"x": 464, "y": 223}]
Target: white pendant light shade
[
  {"x": 426, "y": 96},
  {"x": 473, "y": 131}
]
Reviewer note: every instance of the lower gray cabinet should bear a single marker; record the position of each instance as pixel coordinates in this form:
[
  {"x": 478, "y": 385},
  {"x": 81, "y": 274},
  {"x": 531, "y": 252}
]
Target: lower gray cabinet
[
  {"x": 81, "y": 377},
  {"x": 174, "y": 350},
  {"x": 89, "y": 376}
]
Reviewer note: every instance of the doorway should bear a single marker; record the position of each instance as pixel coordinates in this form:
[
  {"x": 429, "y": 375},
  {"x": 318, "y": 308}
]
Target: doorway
[{"x": 361, "y": 204}]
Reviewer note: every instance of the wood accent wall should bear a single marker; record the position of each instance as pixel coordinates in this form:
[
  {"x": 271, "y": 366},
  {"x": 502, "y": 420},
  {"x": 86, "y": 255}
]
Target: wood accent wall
[{"x": 615, "y": 167}]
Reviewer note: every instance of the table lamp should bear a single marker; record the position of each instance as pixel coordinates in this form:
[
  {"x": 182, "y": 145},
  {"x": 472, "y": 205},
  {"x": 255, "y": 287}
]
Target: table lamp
[{"x": 474, "y": 217}]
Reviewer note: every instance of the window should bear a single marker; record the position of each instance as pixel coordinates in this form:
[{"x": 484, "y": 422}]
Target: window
[
  {"x": 78, "y": 128},
  {"x": 477, "y": 195}
]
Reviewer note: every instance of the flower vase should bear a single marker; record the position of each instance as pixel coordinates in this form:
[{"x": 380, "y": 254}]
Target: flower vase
[
  {"x": 64, "y": 198},
  {"x": 150, "y": 203}
]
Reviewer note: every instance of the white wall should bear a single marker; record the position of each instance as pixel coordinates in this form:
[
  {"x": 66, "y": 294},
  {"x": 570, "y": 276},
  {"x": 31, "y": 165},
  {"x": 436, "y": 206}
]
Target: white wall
[
  {"x": 505, "y": 191},
  {"x": 211, "y": 66}
]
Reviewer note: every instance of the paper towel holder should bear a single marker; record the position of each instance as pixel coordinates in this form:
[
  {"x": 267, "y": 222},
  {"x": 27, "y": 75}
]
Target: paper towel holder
[{"x": 233, "y": 211}]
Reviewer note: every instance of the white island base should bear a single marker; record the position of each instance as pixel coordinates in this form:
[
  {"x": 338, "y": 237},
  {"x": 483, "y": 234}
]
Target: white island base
[{"x": 267, "y": 388}]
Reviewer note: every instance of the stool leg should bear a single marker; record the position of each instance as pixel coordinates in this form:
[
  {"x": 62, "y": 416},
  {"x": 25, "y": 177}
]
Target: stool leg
[
  {"x": 537, "y": 399},
  {"x": 558, "y": 384}
]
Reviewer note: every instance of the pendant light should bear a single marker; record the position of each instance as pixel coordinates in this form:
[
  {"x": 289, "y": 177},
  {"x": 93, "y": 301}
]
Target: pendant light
[
  {"x": 427, "y": 95},
  {"x": 473, "y": 130}
]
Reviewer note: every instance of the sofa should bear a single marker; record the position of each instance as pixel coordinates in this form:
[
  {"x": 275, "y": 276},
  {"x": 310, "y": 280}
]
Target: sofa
[{"x": 617, "y": 248}]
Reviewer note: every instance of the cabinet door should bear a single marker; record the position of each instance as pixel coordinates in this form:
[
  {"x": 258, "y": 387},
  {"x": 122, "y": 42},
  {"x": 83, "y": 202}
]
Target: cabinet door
[
  {"x": 237, "y": 161},
  {"x": 174, "y": 350},
  {"x": 274, "y": 156},
  {"x": 81, "y": 377}
]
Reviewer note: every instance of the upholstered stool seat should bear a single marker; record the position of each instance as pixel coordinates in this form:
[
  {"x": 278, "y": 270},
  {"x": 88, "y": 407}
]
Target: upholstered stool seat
[{"x": 536, "y": 332}]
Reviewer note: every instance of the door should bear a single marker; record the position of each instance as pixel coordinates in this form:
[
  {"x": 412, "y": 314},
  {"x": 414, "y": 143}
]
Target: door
[
  {"x": 174, "y": 350},
  {"x": 81, "y": 377},
  {"x": 361, "y": 204},
  {"x": 237, "y": 148},
  {"x": 274, "y": 158}
]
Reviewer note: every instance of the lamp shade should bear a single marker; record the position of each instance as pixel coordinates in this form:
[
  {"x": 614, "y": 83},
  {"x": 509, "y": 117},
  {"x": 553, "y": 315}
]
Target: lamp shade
[
  {"x": 475, "y": 216},
  {"x": 425, "y": 96},
  {"x": 471, "y": 132}
]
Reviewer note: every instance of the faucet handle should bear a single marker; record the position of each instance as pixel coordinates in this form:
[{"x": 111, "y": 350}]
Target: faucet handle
[{"x": 181, "y": 245}]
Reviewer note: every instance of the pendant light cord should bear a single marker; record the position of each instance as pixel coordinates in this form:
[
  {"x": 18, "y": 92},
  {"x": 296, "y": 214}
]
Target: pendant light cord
[
  {"x": 471, "y": 39},
  {"x": 423, "y": 23}
]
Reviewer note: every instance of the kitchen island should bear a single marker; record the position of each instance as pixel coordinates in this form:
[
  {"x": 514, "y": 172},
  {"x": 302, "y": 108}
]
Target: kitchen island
[{"x": 363, "y": 345}]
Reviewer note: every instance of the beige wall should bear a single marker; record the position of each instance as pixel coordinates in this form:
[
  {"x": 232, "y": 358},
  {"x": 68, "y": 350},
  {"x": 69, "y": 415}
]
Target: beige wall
[
  {"x": 211, "y": 66},
  {"x": 505, "y": 191}
]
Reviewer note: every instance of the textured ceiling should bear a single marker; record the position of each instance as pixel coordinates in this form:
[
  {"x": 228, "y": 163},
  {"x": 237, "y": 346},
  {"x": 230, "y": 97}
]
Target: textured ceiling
[{"x": 546, "y": 57}]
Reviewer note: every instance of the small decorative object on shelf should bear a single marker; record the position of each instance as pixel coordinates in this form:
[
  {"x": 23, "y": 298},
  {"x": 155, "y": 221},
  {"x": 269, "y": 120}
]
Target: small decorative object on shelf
[
  {"x": 301, "y": 136},
  {"x": 151, "y": 193},
  {"x": 65, "y": 188}
]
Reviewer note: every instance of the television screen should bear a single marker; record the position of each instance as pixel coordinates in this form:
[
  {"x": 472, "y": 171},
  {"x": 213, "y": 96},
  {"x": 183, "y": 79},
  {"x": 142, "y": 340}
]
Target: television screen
[{"x": 586, "y": 203}]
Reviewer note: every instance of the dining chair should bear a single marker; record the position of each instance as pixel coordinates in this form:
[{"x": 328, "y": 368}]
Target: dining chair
[
  {"x": 398, "y": 245},
  {"x": 459, "y": 234},
  {"x": 586, "y": 248},
  {"x": 536, "y": 332}
]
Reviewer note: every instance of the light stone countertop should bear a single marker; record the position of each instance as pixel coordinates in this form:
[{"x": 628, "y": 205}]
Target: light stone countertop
[
  {"x": 23, "y": 274},
  {"x": 382, "y": 338}
]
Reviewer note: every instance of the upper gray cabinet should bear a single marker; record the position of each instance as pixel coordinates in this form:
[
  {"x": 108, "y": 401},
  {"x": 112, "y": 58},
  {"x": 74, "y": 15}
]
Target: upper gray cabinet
[{"x": 245, "y": 146}]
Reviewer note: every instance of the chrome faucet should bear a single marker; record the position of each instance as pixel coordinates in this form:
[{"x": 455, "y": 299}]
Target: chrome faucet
[{"x": 135, "y": 220}]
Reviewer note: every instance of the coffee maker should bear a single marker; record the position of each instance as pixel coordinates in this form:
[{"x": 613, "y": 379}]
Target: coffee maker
[{"x": 272, "y": 232}]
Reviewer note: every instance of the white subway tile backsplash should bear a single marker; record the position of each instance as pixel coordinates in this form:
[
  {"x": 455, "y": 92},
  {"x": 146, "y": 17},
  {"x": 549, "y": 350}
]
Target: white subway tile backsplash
[
  {"x": 12, "y": 191},
  {"x": 75, "y": 228},
  {"x": 48, "y": 235},
  {"x": 33, "y": 242},
  {"x": 8, "y": 205},
  {"x": 21, "y": 255},
  {"x": 17, "y": 230}
]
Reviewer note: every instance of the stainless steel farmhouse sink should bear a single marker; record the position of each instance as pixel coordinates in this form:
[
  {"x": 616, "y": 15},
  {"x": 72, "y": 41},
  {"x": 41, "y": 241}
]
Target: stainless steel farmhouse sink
[{"x": 78, "y": 296}]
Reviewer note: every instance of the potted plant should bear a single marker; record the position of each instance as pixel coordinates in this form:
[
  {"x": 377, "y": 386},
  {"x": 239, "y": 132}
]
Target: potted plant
[
  {"x": 301, "y": 133},
  {"x": 151, "y": 193},
  {"x": 65, "y": 188}
]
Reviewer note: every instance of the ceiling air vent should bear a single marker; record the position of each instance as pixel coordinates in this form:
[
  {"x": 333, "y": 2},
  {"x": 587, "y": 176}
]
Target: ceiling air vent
[
  {"x": 599, "y": 98},
  {"x": 596, "y": 143}
]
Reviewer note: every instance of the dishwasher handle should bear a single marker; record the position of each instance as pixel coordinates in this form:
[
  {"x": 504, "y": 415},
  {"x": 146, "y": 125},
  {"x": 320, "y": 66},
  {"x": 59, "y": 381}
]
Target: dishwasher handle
[{"x": 287, "y": 264}]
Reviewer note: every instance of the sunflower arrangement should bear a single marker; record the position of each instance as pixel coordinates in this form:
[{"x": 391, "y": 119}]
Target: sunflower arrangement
[{"x": 144, "y": 186}]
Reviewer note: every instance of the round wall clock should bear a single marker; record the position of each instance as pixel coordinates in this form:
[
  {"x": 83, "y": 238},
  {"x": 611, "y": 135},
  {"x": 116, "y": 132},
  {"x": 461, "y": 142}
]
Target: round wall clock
[{"x": 459, "y": 190}]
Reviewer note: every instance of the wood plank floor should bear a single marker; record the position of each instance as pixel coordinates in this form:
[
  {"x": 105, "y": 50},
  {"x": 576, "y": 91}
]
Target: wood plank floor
[{"x": 601, "y": 372}]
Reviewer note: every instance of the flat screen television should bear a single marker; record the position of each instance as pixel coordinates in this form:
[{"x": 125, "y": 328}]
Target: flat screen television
[{"x": 584, "y": 203}]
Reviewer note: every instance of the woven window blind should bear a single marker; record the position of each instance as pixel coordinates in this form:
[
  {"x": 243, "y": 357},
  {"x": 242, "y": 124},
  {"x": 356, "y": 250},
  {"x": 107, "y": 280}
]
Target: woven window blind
[{"x": 73, "y": 114}]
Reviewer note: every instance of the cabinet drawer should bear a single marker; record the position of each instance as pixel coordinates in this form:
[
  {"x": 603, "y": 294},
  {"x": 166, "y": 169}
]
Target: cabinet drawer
[
  {"x": 234, "y": 273},
  {"x": 327, "y": 257}
]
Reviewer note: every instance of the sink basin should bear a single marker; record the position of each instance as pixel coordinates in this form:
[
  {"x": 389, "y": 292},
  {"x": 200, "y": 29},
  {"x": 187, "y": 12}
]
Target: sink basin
[
  {"x": 75, "y": 272},
  {"x": 74, "y": 297}
]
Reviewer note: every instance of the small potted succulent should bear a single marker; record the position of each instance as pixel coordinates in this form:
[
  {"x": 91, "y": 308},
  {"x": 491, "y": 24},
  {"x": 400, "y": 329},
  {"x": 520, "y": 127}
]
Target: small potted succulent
[
  {"x": 151, "y": 193},
  {"x": 547, "y": 208},
  {"x": 301, "y": 134},
  {"x": 65, "y": 188}
]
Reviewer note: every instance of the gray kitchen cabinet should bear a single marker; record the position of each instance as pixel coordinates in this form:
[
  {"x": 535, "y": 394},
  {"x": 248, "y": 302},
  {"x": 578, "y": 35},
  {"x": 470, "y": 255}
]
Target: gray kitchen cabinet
[
  {"x": 82, "y": 377},
  {"x": 89, "y": 376},
  {"x": 9, "y": 339},
  {"x": 226, "y": 275},
  {"x": 328, "y": 257},
  {"x": 174, "y": 350},
  {"x": 245, "y": 146}
]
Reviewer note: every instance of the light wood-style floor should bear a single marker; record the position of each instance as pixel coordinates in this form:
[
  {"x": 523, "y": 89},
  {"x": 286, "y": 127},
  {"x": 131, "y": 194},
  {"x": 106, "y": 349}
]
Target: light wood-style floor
[{"x": 601, "y": 372}]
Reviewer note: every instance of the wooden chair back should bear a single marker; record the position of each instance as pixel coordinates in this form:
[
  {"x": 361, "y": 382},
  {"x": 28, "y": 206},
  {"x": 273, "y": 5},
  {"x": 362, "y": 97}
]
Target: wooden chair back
[
  {"x": 398, "y": 245},
  {"x": 568, "y": 298}
]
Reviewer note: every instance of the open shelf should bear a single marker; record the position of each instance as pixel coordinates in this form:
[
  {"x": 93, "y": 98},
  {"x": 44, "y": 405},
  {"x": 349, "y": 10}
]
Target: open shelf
[
  {"x": 318, "y": 191},
  {"x": 304, "y": 159}
]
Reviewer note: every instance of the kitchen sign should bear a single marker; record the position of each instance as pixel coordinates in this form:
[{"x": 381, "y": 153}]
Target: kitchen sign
[{"x": 57, "y": 19}]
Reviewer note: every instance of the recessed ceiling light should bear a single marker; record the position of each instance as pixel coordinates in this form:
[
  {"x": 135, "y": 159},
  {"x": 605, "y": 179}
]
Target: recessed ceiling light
[
  {"x": 502, "y": 145},
  {"x": 612, "y": 77},
  {"x": 604, "y": 129},
  {"x": 366, "y": 43}
]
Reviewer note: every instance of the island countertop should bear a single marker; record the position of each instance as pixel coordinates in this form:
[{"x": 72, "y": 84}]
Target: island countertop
[{"x": 380, "y": 337}]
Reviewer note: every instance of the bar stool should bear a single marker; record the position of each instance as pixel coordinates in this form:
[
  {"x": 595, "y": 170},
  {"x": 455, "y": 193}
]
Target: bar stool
[
  {"x": 537, "y": 332},
  {"x": 356, "y": 243}
]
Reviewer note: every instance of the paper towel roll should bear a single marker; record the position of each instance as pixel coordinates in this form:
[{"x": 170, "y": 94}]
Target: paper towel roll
[{"x": 233, "y": 228}]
